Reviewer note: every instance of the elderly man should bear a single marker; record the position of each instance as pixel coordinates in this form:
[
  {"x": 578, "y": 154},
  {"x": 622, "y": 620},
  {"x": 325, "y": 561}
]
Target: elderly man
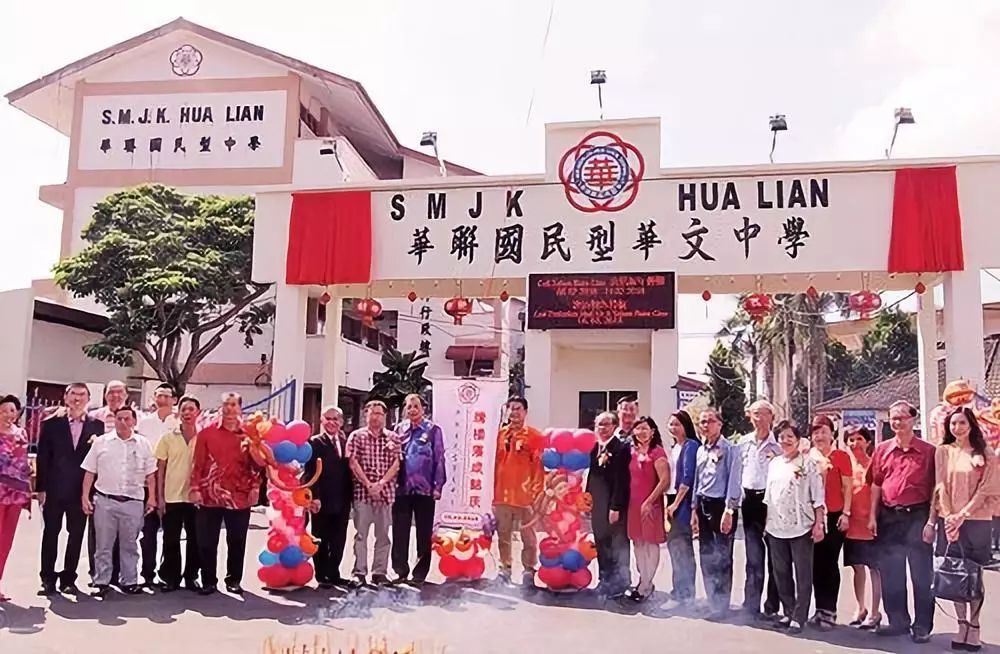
[
  {"x": 716, "y": 500},
  {"x": 628, "y": 411},
  {"x": 332, "y": 496},
  {"x": 421, "y": 479},
  {"x": 153, "y": 426},
  {"x": 122, "y": 464},
  {"x": 374, "y": 455},
  {"x": 903, "y": 474},
  {"x": 757, "y": 449}
]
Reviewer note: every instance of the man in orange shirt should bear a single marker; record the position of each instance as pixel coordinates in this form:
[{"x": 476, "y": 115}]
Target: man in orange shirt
[{"x": 518, "y": 479}]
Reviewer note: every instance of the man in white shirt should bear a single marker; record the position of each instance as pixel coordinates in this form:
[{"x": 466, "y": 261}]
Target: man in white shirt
[
  {"x": 123, "y": 466},
  {"x": 757, "y": 449},
  {"x": 153, "y": 426}
]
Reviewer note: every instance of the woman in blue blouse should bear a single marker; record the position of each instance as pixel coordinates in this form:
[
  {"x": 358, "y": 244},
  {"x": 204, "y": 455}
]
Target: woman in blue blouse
[{"x": 684, "y": 456}]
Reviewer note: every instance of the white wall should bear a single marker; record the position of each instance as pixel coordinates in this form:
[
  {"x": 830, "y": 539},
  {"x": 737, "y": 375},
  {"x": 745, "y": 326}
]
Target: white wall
[
  {"x": 321, "y": 171},
  {"x": 17, "y": 308},
  {"x": 359, "y": 363},
  {"x": 574, "y": 370},
  {"x": 57, "y": 356}
]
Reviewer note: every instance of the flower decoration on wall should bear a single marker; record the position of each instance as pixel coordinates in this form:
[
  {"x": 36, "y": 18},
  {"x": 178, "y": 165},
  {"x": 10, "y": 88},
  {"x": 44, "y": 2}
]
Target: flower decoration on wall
[{"x": 185, "y": 61}]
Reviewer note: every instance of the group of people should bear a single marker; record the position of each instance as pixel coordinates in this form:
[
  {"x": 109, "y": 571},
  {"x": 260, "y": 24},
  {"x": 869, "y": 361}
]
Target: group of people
[{"x": 804, "y": 501}]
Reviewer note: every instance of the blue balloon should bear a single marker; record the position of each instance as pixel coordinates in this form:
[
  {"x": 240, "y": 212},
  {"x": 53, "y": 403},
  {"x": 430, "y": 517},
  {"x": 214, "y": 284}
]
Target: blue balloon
[
  {"x": 551, "y": 459},
  {"x": 572, "y": 560},
  {"x": 546, "y": 562},
  {"x": 575, "y": 460},
  {"x": 267, "y": 558},
  {"x": 291, "y": 556},
  {"x": 285, "y": 452},
  {"x": 304, "y": 453}
]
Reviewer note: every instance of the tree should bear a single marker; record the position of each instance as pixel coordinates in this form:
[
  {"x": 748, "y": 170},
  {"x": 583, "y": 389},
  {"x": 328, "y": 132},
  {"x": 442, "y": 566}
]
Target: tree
[
  {"x": 890, "y": 346},
  {"x": 727, "y": 389},
  {"x": 403, "y": 375},
  {"x": 515, "y": 378},
  {"x": 173, "y": 272}
]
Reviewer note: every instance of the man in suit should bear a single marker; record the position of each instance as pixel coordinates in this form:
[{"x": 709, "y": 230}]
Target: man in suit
[
  {"x": 64, "y": 442},
  {"x": 332, "y": 496}
]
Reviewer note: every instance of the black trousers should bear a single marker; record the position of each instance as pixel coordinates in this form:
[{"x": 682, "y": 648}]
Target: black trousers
[
  {"x": 177, "y": 517},
  {"x": 716, "y": 550},
  {"x": 407, "y": 510},
  {"x": 826, "y": 568},
  {"x": 331, "y": 530},
  {"x": 754, "y": 518},
  {"x": 899, "y": 542},
  {"x": 613, "y": 555},
  {"x": 92, "y": 552},
  {"x": 208, "y": 526},
  {"x": 792, "y": 564},
  {"x": 53, "y": 514},
  {"x": 148, "y": 545}
]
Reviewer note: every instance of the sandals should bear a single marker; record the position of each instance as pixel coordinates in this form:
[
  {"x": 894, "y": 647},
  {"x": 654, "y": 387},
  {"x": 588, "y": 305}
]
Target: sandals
[
  {"x": 872, "y": 623},
  {"x": 859, "y": 619},
  {"x": 3, "y": 598}
]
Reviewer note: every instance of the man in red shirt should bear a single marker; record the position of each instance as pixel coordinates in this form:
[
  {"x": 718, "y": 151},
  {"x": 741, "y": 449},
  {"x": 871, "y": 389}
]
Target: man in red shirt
[
  {"x": 225, "y": 484},
  {"x": 902, "y": 473}
]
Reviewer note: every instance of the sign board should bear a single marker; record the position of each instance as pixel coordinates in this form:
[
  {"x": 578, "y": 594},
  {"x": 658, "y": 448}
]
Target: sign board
[
  {"x": 243, "y": 129},
  {"x": 468, "y": 412},
  {"x": 601, "y": 301}
]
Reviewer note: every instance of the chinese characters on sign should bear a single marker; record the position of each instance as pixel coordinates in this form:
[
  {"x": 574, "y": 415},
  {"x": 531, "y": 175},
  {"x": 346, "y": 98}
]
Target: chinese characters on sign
[
  {"x": 172, "y": 131},
  {"x": 601, "y": 301},
  {"x": 425, "y": 328}
]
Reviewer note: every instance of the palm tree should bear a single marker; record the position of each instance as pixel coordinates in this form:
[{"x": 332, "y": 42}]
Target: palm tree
[
  {"x": 403, "y": 375},
  {"x": 746, "y": 342}
]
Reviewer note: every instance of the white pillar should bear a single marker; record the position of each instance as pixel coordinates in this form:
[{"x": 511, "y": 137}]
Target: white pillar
[
  {"x": 538, "y": 376},
  {"x": 333, "y": 352},
  {"x": 501, "y": 323},
  {"x": 289, "y": 358},
  {"x": 963, "y": 327},
  {"x": 18, "y": 309},
  {"x": 927, "y": 357},
  {"x": 663, "y": 362}
]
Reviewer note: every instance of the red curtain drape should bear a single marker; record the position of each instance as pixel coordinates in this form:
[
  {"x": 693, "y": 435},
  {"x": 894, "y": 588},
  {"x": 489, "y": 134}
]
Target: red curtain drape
[
  {"x": 926, "y": 224},
  {"x": 330, "y": 238}
]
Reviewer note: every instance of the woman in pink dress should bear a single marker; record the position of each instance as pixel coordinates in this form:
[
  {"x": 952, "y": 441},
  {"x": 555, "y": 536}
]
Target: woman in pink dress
[
  {"x": 649, "y": 473},
  {"x": 15, "y": 476}
]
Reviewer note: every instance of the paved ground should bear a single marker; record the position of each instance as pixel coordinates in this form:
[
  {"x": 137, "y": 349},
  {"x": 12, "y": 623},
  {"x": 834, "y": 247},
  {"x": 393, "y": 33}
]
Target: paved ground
[{"x": 465, "y": 619}]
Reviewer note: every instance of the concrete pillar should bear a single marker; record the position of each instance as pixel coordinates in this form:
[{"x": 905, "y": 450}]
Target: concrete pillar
[
  {"x": 963, "y": 327},
  {"x": 538, "y": 356},
  {"x": 333, "y": 352},
  {"x": 663, "y": 362},
  {"x": 289, "y": 358},
  {"x": 927, "y": 357},
  {"x": 18, "y": 309},
  {"x": 501, "y": 323}
]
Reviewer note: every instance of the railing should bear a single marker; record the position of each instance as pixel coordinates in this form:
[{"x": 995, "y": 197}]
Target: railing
[
  {"x": 34, "y": 412},
  {"x": 279, "y": 404}
]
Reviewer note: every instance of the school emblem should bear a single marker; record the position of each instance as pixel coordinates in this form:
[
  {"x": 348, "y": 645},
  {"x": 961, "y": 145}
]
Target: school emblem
[
  {"x": 601, "y": 173},
  {"x": 185, "y": 61},
  {"x": 468, "y": 393}
]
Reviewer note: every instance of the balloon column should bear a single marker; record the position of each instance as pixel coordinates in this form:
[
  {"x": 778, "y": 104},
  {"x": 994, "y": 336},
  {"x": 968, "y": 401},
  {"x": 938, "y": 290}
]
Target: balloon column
[
  {"x": 568, "y": 549},
  {"x": 283, "y": 451},
  {"x": 462, "y": 552}
]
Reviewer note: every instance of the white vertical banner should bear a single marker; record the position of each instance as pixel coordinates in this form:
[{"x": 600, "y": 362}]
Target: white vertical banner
[{"x": 469, "y": 413}]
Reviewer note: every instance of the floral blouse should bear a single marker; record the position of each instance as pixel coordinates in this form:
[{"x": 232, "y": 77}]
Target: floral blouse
[
  {"x": 15, "y": 471},
  {"x": 794, "y": 492}
]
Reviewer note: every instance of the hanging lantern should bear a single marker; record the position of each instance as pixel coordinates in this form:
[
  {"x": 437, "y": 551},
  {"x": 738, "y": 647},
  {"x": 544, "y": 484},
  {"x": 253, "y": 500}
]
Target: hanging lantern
[
  {"x": 812, "y": 293},
  {"x": 920, "y": 288},
  {"x": 706, "y": 295},
  {"x": 325, "y": 298},
  {"x": 412, "y": 296},
  {"x": 504, "y": 296},
  {"x": 865, "y": 302},
  {"x": 370, "y": 309},
  {"x": 757, "y": 306},
  {"x": 458, "y": 308}
]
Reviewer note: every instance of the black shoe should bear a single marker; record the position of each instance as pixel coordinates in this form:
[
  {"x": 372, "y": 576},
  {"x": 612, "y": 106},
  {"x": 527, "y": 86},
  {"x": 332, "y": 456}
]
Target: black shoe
[
  {"x": 206, "y": 590},
  {"x": 169, "y": 588},
  {"x": 69, "y": 589},
  {"x": 794, "y": 628},
  {"x": 47, "y": 590},
  {"x": 400, "y": 580},
  {"x": 324, "y": 585},
  {"x": 358, "y": 582},
  {"x": 100, "y": 592},
  {"x": 132, "y": 589},
  {"x": 234, "y": 588},
  {"x": 381, "y": 581},
  {"x": 338, "y": 582},
  {"x": 920, "y": 635},
  {"x": 192, "y": 585},
  {"x": 418, "y": 581},
  {"x": 891, "y": 630}
]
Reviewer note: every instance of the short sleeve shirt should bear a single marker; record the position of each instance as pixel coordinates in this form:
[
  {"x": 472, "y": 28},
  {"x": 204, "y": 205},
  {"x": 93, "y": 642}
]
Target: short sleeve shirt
[
  {"x": 179, "y": 457},
  {"x": 121, "y": 465},
  {"x": 376, "y": 454}
]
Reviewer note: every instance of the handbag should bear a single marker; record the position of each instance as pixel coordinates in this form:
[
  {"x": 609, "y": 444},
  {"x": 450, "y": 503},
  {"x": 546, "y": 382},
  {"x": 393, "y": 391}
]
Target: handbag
[{"x": 957, "y": 578}]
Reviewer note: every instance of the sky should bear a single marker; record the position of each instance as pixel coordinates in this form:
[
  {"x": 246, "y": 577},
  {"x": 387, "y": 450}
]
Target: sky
[{"x": 487, "y": 76}]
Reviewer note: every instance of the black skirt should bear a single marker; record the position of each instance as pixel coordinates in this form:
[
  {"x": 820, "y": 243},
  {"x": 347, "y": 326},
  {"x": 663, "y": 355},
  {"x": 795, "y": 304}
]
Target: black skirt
[
  {"x": 860, "y": 552},
  {"x": 973, "y": 541}
]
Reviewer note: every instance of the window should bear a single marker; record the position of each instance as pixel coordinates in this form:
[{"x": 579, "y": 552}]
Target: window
[
  {"x": 478, "y": 368},
  {"x": 594, "y": 402}
]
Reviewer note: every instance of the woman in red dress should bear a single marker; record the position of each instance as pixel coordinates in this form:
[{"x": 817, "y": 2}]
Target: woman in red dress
[
  {"x": 649, "y": 472},
  {"x": 859, "y": 544},
  {"x": 15, "y": 476}
]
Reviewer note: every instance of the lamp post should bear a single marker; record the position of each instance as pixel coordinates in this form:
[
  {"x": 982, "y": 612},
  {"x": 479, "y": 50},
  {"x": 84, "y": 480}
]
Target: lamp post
[
  {"x": 598, "y": 78},
  {"x": 903, "y": 116},
  {"x": 430, "y": 139},
  {"x": 778, "y": 124}
]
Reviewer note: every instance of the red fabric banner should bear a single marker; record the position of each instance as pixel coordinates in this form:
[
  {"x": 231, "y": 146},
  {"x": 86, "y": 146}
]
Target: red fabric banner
[
  {"x": 926, "y": 224},
  {"x": 330, "y": 238}
]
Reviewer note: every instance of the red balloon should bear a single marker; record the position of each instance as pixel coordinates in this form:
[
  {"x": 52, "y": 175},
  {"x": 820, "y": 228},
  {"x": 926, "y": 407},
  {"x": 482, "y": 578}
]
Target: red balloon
[
  {"x": 276, "y": 434},
  {"x": 450, "y": 567},
  {"x": 276, "y": 543},
  {"x": 563, "y": 441},
  {"x": 550, "y": 547},
  {"x": 554, "y": 578},
  {"x": 580, "y": 579},
  {"x": 297, "y": 523},
  {"x": 474, "y": 567},
  {"x": 302, "y": 574},
  {"x": 298, "y": 431},
  {"x": 274, "y": 576},
  {"x": 584, "y": 440}
]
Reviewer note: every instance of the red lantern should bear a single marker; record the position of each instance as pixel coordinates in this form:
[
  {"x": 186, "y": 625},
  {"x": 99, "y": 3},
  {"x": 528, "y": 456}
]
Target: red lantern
[
  {"x": 325, "y": 298},
  {"x": 757, "y": 306},
  {"x": 865, "y": 302},
  {"x": 504, "y": 296},
  {"x": 412, "y": 296},
  {"x": 812, "y": 293},
  {"x": 706, "y": 295},
  {"x": 920, "y": 288},
  {"x": 458, "y": 308},
  {"x": 370, "y": 309}
]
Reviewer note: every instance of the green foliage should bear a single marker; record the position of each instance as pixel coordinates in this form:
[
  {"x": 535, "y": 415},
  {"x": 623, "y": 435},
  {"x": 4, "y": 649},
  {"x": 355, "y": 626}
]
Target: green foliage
[
  {"x": 173, "y": 272},
  {"x": 727, "y": 389},
  {"x": 403, "y": 375},
  {"x": 889, "y": 348}
]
